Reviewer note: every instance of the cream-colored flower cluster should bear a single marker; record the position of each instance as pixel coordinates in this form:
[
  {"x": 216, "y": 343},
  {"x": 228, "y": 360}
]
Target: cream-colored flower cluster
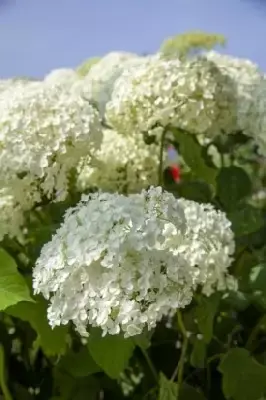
[
  {"x": 246, "y": 78},
  {"x": 44, "y": 132},
  {"x": 193, "y": 95},
  {"x": 49, "y": 128},
  {"x": 123, "y": 164},
  {"x": 97, "y": 85},
  {"x": 256, "y": 121}
]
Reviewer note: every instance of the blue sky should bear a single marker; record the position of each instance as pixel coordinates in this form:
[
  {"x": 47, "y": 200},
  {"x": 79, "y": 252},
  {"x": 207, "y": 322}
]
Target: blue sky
[{"x": 39, "y": 35}]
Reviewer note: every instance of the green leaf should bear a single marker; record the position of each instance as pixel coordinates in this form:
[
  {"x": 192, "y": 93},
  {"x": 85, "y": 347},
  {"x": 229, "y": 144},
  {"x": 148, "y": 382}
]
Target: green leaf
[
  {"x": 257, "y": 284},
  {"x": 257, "y": 278},
  {"x": 233, "y": 185},
  {"x": 111, "y": 352},
  {"x": 242, "y": 267},
  {"x": 243, "y": 377},
  {"x": 167, "y": 389},
  {"x": 198, "y": 355},
  {"x": 205, "y": 313},
  {"x": 188, "y": 392},
  {"x": 3, "y": 384},
  {"x": 191, "y": 152},
  {"x": 13, "y": 287},
  {"x": 79, "y": 364},
  {"x": 196, "y": 191},
  {"x": 237, "y": 300},
  {"x": 52, "y": 341},
  {"x": 246, "y": 220}
]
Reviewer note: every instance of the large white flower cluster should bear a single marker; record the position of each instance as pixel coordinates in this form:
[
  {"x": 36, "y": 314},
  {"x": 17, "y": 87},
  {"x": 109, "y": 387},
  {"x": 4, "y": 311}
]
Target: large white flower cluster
[
  {"x": 123, "y": 164},
  {"x": 192, "y": 95},
  {"x": 44, "y": 132},
  {"x": 246, "y": 77},
  {"x": 121, "y": 263},
  {"x": 99, "y": 82},
  {"x": 5, "y": 84},
  {"x": 14, "y": 84},
  {"x": 256, "y": 120},
  {"x": 250, "y": 84}
]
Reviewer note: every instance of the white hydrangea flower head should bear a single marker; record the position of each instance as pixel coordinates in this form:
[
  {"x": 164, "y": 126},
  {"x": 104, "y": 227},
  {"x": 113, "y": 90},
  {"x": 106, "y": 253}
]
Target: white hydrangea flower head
[
  {"x": 13, "y": 84},
  {"x": 192, "y": 95},
  {"x": 63, "y": 76},
  {"x": 11, "y": 215},
  {"x": 99, "y": 82},
  {"x": 257, "y": 116},
  {"x": 44, "y": 132},
  {"x": 121, "y": 263},
  {"x": 124, "y": 164},
  {"x": 246, "y": 76},
  {"x": 5, "y": 84}
]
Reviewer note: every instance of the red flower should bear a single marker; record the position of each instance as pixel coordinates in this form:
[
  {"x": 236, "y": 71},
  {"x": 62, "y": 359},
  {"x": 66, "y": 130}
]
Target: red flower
[{"x": 175, "y": 172}]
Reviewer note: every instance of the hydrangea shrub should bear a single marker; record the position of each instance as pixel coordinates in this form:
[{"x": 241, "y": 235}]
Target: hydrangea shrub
[{"x": 117, "y": 281}]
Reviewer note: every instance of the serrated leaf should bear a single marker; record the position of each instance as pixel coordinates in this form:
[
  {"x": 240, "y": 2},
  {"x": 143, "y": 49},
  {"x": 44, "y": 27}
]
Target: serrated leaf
[
  {"x": 198, "y": 354},
  {"x": 3, "y": 383},
  {"x": 246, "y": 220},
  {"x": 191, "y": 152},
  {"x": 167, "y": 389},
  {"x": 233, "y": 185},
  {"x": 111, "y": 352},
  {"x": 205, "y": 313},
  {"x": 52, "y": 341},
  {"x": 79, "y": 364},
  {"x": 243, "y": 377},
  {"x": 13, "y": 287}
]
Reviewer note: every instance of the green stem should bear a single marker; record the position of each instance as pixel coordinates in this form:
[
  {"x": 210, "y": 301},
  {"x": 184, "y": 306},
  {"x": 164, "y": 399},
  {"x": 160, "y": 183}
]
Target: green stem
[
  {"x": 150, "y": 364},
  {"x": 160, "y": 169},
  {"x": 3, "y": 382},
  {"x": 179, "y": 371}
]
